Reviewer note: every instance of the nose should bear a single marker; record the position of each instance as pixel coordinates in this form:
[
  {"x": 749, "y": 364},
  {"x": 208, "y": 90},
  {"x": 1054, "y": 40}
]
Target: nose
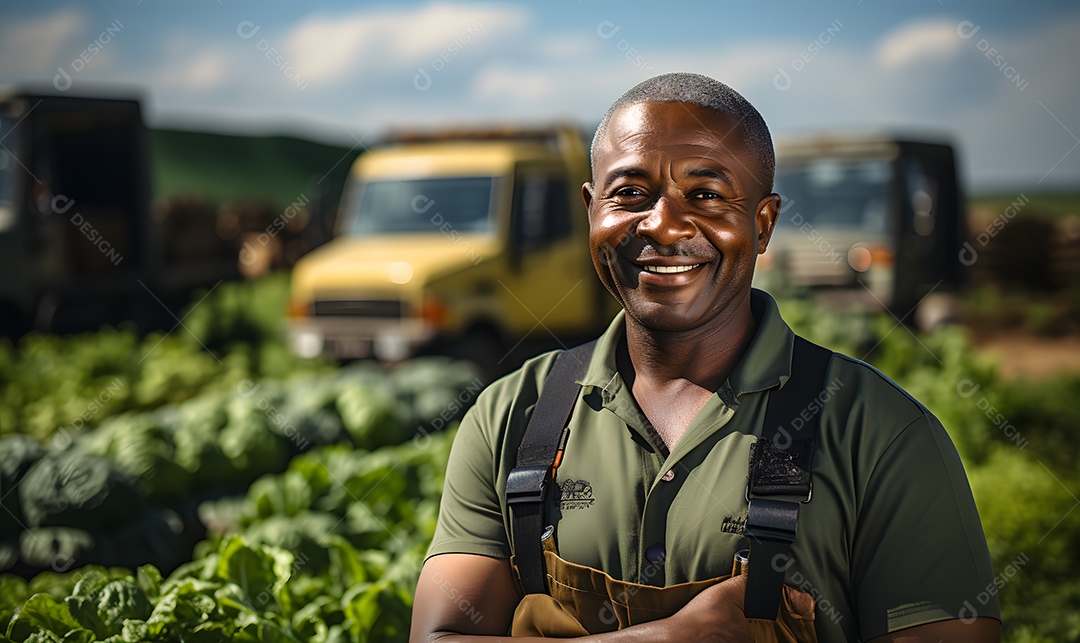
[{"x": 665, "y": 223}]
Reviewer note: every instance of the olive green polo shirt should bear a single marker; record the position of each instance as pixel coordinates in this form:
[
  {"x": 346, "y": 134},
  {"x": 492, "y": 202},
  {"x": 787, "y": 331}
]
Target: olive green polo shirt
[{"x": 891, "y": 538}]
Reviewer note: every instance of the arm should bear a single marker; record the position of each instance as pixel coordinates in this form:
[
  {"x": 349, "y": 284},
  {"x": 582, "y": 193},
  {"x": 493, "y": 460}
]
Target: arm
[
  {"x": 464, "y": 598},
  {"x": 463, "y": 594},
  {"x": 979, "y": 630},
  {"x": 919, "y": 551}
]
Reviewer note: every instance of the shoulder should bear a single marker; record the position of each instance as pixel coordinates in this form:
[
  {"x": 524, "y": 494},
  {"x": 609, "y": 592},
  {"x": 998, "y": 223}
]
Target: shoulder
[
  {"x": 520, "y": 388},
  {"x": 867, "y": 411},
  {"x": 502, "y": 409},
  {"x": 855, "y": 387}
]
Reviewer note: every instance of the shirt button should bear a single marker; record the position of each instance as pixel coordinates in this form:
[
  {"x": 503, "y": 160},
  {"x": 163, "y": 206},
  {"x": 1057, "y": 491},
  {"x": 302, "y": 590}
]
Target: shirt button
[
  {"x": 655, "y": 554},
  {"x": 669, "y": 476}
]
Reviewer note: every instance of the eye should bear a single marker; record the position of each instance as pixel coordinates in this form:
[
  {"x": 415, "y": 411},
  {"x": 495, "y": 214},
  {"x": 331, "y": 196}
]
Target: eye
[
  {"x": 707, "y": 194},
  {"x": 629, "y": 191}
]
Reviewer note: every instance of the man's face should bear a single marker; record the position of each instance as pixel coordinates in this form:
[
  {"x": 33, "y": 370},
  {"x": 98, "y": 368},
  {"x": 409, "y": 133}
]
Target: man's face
[{"x": 677, "y": 214}]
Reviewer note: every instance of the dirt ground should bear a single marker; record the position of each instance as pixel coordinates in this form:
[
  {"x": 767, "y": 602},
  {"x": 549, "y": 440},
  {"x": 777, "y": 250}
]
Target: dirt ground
[{"x": 1032, "y": 356}]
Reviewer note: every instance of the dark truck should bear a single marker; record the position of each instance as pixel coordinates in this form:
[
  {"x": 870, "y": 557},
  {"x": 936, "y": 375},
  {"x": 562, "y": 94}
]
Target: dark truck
[
  {"x": 78, "y": 244},
  {"x": 86, "y": 238},
  {"x": 870, "y": 221}
]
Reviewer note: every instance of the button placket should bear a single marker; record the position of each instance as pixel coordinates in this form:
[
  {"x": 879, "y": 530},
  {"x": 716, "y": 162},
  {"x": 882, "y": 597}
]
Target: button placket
[{"x": 653, "y": 570}]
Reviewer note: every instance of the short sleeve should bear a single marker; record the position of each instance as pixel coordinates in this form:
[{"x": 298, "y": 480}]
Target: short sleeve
[
  {"x": 919, "y": 554},
  {"x": 470, "y": 517}
]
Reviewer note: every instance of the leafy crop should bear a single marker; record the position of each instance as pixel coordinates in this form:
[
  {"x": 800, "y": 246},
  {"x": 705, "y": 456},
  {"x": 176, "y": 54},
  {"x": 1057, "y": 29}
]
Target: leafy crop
[
  {"x": 121, "y": 493},
  {"x": 53, "y": 386},
  {"x": 329, "y": 550}
]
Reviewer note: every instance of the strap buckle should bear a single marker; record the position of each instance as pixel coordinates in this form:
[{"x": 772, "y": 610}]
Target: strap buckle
[
  {"x": 791, "y": 498},
  {"x": 527, "y": 484},
  {"x": 772, "y": 520}
]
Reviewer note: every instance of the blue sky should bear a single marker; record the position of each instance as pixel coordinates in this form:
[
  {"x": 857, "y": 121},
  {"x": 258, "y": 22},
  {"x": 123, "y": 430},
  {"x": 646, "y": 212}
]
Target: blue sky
[{"x": 1000, "y": 78}]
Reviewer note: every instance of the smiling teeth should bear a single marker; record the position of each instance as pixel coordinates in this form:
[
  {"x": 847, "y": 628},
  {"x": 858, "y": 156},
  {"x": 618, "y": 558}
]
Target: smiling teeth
[{"x": 667, "y": 269}]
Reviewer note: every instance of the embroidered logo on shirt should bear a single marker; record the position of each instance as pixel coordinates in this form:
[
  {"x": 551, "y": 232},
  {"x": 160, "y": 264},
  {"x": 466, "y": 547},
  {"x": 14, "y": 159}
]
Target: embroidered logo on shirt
[
  {"x": 733, "y": 525},
  {"x": 575, "y": 494}
]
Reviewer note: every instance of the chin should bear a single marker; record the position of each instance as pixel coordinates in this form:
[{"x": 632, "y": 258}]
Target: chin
[{"x": 667, "y": 317}]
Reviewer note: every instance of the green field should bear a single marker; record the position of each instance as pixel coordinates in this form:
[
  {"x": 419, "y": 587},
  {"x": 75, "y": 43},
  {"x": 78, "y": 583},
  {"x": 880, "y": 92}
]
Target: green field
[
  {"x": 222, "y": 167},
  {"x": 1056, "y": 205}
]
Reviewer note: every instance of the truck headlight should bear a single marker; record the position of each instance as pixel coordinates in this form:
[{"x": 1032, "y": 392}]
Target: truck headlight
[
  {"x": 308, "y": 343},
  {"x": 391, "y": 346}
]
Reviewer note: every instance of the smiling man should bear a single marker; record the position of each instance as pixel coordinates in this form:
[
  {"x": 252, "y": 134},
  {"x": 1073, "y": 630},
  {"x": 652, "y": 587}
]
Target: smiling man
[{"x": 699, "y": 426}]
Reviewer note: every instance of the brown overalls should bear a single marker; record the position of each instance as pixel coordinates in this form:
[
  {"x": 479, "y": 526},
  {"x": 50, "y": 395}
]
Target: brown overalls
[{"x": 582, "y": 600}]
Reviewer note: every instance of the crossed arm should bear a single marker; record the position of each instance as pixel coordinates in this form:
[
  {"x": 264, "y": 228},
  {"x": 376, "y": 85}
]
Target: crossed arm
[{"x": 464, "y": 598}]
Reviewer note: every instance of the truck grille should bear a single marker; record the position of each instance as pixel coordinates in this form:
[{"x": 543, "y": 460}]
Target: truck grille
[{"x": 360, "y": 308}]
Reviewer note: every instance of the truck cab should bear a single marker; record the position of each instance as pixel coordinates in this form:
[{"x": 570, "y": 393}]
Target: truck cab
[
  {"x": 471, "y": 242},
  {"x": 870, "y": 221}
]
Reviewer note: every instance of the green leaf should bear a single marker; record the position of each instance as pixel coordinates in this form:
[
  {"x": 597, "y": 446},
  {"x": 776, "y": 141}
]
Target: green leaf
[
  {"x": 135, "y": 631},
  {"x": 261, "y": 573},
  {"x": 182, "y": 606},
  {"x": 346, "y": 568},
  {"x": 85, "y": 610},
  {"x": 120, "y": 600},
  {"x": 79, "y": 636},
  {"x": 13, "y": 593},
  {"x": 361, "y": 606},
  {"x": 149, "y": 580},
  {"x": 42, "y": 613},
  {"x": 242, "y": 565}
]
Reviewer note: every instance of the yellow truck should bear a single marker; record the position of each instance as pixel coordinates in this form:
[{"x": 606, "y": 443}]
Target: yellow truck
[{"x": 470, "y": 242}]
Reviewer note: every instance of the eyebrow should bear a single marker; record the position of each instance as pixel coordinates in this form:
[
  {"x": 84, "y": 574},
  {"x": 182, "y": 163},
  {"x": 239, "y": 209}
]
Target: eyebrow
[
  {"x": 623, "y": 172},
  {"x": 635, "y": 172},
  {"x": 710, "y": 173}
]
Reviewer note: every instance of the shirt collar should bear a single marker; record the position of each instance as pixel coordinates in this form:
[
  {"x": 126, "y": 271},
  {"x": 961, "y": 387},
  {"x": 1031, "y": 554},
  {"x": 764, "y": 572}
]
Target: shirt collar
[{"x": 765, "y": 364}]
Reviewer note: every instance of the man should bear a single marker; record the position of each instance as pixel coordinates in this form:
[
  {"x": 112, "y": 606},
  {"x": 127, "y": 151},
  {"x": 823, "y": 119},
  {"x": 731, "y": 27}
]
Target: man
[{"x": 652, "y": 489}]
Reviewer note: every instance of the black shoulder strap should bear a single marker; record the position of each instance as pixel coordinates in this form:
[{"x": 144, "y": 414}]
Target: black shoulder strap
[
  {"x": 781, "y": 462},
  {"x": 538, "y": 455}
]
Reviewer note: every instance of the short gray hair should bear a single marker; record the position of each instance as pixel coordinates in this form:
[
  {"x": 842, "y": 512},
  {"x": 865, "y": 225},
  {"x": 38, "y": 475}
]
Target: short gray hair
[{"x": 706, "y": 92}]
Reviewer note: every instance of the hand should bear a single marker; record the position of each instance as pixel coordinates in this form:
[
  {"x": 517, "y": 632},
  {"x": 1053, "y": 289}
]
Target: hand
[{"x": 715, "y": 614}]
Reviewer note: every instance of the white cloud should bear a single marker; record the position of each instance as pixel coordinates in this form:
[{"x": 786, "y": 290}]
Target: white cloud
[
  {"x": 567, "y": 46},
  {"x": 34, "y": 45},
  {"x": 328, "y": 48},
  {"x": 521, "y": 84},
  {"x": 936, "y": 38},
  {"x": 200, "y": 72}
]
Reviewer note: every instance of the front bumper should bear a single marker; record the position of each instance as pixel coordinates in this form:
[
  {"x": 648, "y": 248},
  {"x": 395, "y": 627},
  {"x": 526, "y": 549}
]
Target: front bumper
[{"x": 351, "y": 337}]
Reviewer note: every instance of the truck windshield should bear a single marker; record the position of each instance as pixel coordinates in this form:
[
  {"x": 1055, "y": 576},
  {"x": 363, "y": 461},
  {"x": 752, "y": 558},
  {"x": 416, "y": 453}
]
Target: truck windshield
[
  {"x": 462, "y": 204},
  {"x": 834, "y": 193}
]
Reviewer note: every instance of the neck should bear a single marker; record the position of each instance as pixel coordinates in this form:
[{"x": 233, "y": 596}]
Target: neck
[{"x": 704, "y": 356}]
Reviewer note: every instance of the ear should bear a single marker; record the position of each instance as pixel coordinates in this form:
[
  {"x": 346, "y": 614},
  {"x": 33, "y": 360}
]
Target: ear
[
  {"x": 768, "y": 210},
  {"x": 587, "y": 194}
]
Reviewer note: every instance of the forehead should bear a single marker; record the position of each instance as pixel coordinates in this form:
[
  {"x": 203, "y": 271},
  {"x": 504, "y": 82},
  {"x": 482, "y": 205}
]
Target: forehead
[{"x": 673, "y": 128}]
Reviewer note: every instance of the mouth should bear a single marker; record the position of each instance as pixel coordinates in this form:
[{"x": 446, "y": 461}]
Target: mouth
[{"x": 669, "y": 269}]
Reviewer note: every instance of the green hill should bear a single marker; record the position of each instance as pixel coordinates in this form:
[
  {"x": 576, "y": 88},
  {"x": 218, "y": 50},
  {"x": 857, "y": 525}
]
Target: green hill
[{"x": 221, "y": 167}]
